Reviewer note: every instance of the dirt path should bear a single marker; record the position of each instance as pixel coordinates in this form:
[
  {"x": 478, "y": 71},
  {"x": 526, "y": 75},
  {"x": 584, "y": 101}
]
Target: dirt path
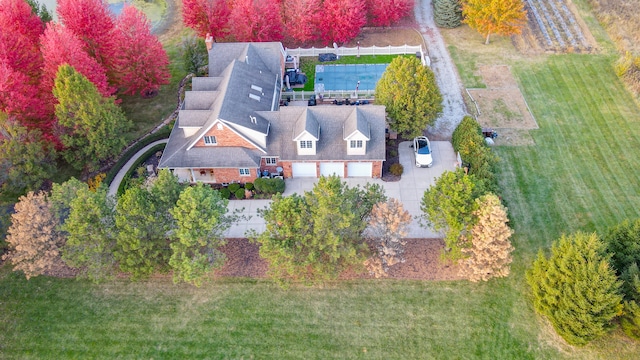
[{"x": 445, "y": 71}]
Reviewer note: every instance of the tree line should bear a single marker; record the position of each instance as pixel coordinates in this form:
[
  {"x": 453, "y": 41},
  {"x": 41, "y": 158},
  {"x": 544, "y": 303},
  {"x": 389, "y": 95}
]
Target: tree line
[
  {"x": 163, "y": 226},
  {"x": 58, "y": 82},
  {"x": 298, "y": 21}
]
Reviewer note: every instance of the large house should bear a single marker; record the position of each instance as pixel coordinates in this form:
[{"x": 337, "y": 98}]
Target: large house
[{"x": 231, "y": 127}]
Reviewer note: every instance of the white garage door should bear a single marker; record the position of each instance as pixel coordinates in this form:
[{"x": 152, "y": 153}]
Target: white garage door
[
  {"x": 303, "y": 169},
  {"x": 328, "y": 169},
  {"x": 359, "y": 169}
]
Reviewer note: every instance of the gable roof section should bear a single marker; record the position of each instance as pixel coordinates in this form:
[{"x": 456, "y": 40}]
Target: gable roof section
[
  {"x": 193, "y": 118},
  {"x": 175, "y": 154},
  {"x": 306, "y": 124},
  {"x": 355, "y": 123},
  {"x": 331, "y": 145}
]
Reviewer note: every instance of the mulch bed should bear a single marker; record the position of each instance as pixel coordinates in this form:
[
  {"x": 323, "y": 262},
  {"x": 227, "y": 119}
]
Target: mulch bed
[{"x": 422, "y": 262}]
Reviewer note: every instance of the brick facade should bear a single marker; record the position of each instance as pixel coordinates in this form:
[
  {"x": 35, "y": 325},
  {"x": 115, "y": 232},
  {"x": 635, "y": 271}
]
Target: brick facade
[{"x": 226, "y": 137}]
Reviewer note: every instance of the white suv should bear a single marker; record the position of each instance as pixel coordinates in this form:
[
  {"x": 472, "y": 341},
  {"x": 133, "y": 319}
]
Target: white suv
[{"x": 422, "y": 150}]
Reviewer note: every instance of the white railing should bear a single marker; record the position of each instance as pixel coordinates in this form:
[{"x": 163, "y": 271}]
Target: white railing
[
  {"x": 361, "y": 50},
  {"x": 328, "y": 95}
]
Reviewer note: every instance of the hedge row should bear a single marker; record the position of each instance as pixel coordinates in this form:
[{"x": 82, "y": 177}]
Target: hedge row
[
  {"x": 123, "y": 185},
  {"x": 467, "y": 139},
  {"x": 163, "y": 133}
]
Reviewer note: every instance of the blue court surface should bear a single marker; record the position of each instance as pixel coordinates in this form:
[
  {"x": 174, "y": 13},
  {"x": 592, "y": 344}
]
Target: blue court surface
[{"x": 345, "y": 77}]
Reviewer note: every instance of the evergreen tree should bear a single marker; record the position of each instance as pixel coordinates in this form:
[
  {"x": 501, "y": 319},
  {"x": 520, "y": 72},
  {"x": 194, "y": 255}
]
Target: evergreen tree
[
  {"x": 316, "y": 236},
  {"x": 201, "y": 220},
  {"x": 91, "y": 126},
  {"x": 25, "y": 159},
  {"x": 576, "y": 288},
  {"x": 623, "y": 244},
  {"x": 409, "y": 91},
  {"x": 447, "y": 13},
  {"x": 448, "y": 206},
  {"x": 91, "y": 239}
]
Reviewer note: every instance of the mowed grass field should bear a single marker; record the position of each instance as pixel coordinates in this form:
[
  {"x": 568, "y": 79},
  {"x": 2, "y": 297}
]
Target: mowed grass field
[{"x": 580, "y": 176}]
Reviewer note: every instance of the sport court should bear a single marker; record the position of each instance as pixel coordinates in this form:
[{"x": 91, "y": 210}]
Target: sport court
[{"x": 345, "y": 77}]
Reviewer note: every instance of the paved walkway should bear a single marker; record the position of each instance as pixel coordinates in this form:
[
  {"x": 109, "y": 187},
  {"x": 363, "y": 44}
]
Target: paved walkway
[
  {"x": 408, "y": 190},
  {"x": 113, "y": 188}
]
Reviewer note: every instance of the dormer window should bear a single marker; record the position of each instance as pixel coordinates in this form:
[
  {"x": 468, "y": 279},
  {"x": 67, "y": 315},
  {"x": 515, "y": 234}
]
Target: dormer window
[
  {"x": 355, "y": 144},
  {"x": 306, "y": 144},
  {"x": 210, "y": 140}
]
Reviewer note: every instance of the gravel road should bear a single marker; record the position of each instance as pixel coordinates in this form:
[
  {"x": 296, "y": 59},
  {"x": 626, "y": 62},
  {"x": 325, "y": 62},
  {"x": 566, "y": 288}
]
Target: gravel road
[{"x": 445, "y": 71}]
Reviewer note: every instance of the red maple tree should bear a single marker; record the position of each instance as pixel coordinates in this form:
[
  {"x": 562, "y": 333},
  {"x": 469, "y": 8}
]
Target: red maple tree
[
  {"x": 302, "y": 19},
  {"x": 21, "y": 30},
  {"x": 207, "y": 16},
  {"x": 342, "y": 20},
  {"x": 93, "y": 23},
  {"x": 145, "y": 64},
  {"x": 20, "y": 99},
  {"x": 61, "y": 46},
  {"x": 256, "y": 20},
  {"x": 387, "y": 12}
]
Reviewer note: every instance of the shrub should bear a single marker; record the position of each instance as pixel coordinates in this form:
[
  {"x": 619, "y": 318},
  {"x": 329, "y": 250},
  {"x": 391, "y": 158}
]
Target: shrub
[
  {"x": 393, "y": 153},
  {"x": 239, "y": 194},
  {"x": 233, "y": 187},
  {"x": 225, "y": 193},
  {"x": 269, "y": 186},
  {"x": 396, "y": 169},
  {"x": 248, "y": 186}
]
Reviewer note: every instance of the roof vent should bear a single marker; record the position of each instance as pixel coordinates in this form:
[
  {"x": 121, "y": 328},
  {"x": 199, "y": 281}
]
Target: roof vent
[
  {"x": 254, "y": 120},
  {"x": 255, "y": 97}
]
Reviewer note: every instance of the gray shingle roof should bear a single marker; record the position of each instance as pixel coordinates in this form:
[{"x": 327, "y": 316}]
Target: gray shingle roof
[
  {"x": 356, "y": 122},
  {"x": 306, "y": 122},
  {"x": 331, "y": 144}
]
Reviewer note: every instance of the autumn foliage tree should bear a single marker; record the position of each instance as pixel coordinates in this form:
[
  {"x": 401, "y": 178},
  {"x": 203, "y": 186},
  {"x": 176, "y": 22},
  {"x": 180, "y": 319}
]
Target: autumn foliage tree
[
  {"x": 207, "y": 16},
  {"x": 256, "y": 20},
  {"x": 342, "y": 20},
  {"x": 35, "y": 244},
  {"x": 143, "y": 63},
  {"x": 302, "y": 18},
  {"x": 490, "y": 252},
  {"x": 388, "y": 224},
  {"x": 502, "y": 17},
  {"x": 93, "y": 23},
  {"x": 387, "y": 12},
  {"x": 21, "y": 64},
  {"x": 61, "y": 46}
]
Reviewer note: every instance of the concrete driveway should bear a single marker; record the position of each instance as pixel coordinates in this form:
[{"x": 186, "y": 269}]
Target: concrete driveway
[{"x": 408, "y": 190}]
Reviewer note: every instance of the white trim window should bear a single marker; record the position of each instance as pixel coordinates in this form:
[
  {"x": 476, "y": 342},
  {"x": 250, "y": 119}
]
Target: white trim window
[
  {"x": 306, "y": 144},
  {"x": 210, "y": 140},
  {"x": 245, "y": 172},
  {"x": 355, "y": 144},
  {"x": 271, "y": 160}
]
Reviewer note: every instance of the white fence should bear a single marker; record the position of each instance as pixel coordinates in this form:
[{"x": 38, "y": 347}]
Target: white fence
[
  {"x": 361, "y": 50},
  {"x": 328, "y": 95}
]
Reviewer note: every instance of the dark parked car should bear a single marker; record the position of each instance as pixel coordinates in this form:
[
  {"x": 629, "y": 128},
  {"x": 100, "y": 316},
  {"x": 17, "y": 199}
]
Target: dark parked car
[
  {"x": 295, "y": 77},
  {"x": 327, "y": 57}
]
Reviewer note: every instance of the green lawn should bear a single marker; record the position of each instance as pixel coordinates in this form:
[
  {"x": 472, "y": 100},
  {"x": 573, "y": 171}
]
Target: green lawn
[{"x": 581, "y": 175}]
